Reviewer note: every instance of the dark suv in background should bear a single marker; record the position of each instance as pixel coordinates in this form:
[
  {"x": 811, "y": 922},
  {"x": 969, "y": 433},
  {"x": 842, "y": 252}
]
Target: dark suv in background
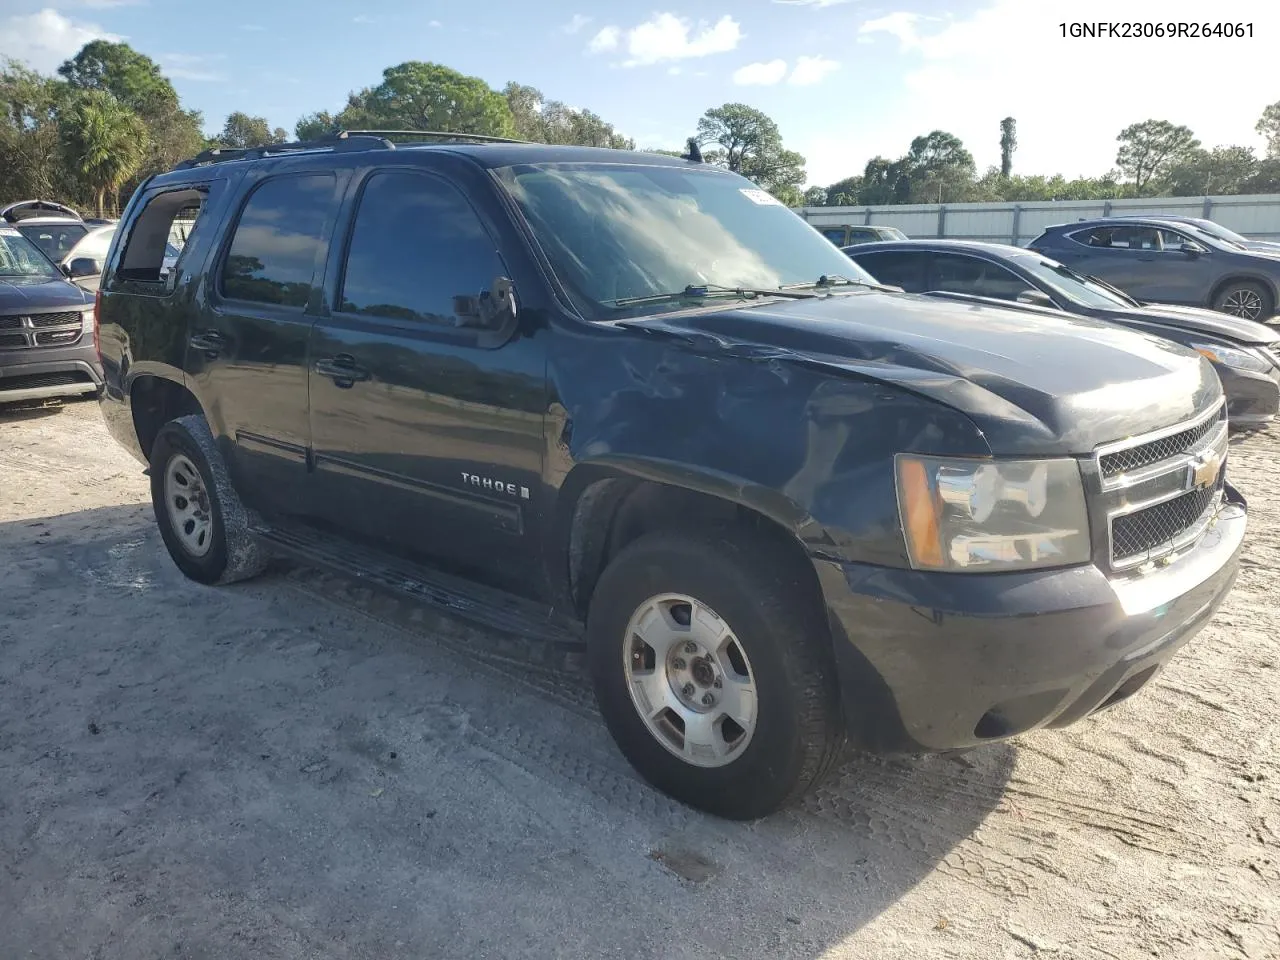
[
  {"x": 588, "y": 396},
  {"x": 47, "y": 327},
  {"x": 1157, "y": 261},
  {"x": 1245, "y": 354}
]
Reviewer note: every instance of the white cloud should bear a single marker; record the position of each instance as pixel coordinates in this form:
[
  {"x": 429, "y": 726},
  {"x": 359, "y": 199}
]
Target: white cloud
[
  {"x": 43, "y": 40},
  {"x": 674, "y": 71},
  {"x": 668, "y": 37},
  {"x": 362, "y": 18},
  {"x": 191, "y": 66},
  {"x": 811, "y": 70},
  {"x": 760, "y": 74},
  {"x": 252, "y": 27},
  {"x": 576, "y": 23},
  {"x": 435, "y": 24},
  {"x": 606, "y": 39},
  {"x": 964, "y": 72}
]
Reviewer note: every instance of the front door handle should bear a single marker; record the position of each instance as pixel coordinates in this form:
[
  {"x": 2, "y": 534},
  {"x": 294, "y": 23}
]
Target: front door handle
[
  {"x": 342, "y": 369},
  {"x": 210, "y": 342}
]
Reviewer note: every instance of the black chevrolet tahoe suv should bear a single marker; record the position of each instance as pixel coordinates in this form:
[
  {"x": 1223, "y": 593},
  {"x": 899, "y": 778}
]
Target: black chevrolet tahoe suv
[{"x": 632, "y": 402}]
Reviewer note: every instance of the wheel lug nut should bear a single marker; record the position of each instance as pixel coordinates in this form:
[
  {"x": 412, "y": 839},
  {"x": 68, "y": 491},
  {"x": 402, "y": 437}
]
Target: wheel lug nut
[
  {"x": 717, "y": 683},
  {"x": 688, "y": 689},
  {"x": 690, "y": 647},
  {"x": 708, "y": 699},
  {"x": 679, "y": 663}
]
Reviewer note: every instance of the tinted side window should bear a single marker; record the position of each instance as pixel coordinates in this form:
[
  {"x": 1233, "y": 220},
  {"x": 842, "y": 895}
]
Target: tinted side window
[
  {"x": 416, "y": 245},
  {"x": 835, "y": 235},
  {"x": 1120, "y": 238},
  {"x": 862, "y": 236},
  {"x": 273, "y": 251},
  {"x": 905, "y": 270}
]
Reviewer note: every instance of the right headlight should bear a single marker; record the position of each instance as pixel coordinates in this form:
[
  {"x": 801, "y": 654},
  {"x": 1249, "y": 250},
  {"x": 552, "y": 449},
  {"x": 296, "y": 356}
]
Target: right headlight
[
  {"x": 980, "y": 516},
  {"x": 1240, "y": 358}
]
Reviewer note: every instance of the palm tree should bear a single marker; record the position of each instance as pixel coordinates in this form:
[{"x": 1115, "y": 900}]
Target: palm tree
[{"x": 106, "y": 143}]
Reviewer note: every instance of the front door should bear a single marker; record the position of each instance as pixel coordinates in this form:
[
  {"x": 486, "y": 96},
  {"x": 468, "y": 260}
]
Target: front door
[
  {"x": 247, "y": 354},
  {"x": 427, "y": 436}
]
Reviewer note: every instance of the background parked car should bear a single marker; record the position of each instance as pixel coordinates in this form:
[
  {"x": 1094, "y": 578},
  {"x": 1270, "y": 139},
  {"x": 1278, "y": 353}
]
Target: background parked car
[
  {"x": 1157, "y": 261},
  {"x": 1245, "y": 354},
  {"x": 47, "y": 327},
  {"x": 53, "y": 227},
  {"x": 1217, "y": 230},
  {"x": 842, "y": 236}
]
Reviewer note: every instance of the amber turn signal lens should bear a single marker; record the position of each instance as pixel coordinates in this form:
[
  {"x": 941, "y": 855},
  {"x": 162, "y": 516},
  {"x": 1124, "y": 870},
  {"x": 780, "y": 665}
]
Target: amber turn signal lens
[{"x": 920, "y": 513}]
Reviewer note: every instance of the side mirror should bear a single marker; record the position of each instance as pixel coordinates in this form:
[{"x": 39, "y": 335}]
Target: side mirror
[
  {"x": 1036, "y": 298},
  {"x": 1191, "y": 249},
  {"x": 82, "y": 267},
  {"x": 495, "y": 309}
]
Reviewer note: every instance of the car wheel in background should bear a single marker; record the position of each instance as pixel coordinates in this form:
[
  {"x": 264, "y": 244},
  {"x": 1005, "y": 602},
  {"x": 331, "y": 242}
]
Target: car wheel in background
[{"x": 1246, "y": 299}]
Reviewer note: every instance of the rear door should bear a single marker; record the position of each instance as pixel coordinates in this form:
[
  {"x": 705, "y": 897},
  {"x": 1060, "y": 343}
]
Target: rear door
[
  {"x": 1124, "y": 256},
  {"x": 247, "y": 348},
  {"x": 427, "y": 435}
]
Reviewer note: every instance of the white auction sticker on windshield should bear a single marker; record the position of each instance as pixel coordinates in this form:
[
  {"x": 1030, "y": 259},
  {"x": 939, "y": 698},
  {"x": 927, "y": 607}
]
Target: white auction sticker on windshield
[
  {"x": 8, "y": 231},
  {"x": 762, "y": 197}
]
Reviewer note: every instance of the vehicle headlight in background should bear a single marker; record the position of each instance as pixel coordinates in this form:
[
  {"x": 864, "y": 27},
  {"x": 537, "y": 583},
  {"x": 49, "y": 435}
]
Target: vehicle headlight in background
[
  {"x": 985, "y": 515},
  {"x": 88, "y": 320},
  {"x": 1238, "y": 358}
]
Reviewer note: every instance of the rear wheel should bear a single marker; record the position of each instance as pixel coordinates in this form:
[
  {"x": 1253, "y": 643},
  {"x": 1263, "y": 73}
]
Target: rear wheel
[
  {"x": 712, "y": 667},
  {"x": 1246, "y": 299},
  {"x": 202, "y": 522}
]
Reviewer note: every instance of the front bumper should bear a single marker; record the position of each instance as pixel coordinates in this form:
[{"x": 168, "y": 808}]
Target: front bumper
[
  {"x": 45, "y": 372},
  {"x": 938, "y": 661},
  {"x": 1253, "y": 399}
]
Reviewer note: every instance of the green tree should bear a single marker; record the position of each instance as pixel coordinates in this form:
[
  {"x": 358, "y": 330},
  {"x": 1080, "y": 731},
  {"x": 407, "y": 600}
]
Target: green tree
[
  {"x": 242, "y": 131},
  {"x": 105, "y": 142},
  {"x": 752, "y": 146},
  {"x": 550, "y": 121},
  {"x": 884, "y": 181},
  {"x": 132, "y": 78},
  {"x": 31, "y": 158},
  {"x": 1221, "y": 170},
  {"x": 815, "y": 197},
  {"x": 1269, "y": 126},
  {"x": 427, "y": 96},
  {"x": 1148, "y": 150},
  {"x": 313, "y": 126},
  {"x": 1008, "y": 144},
  {"x": 939, "y": 168},
  {"x": 844, "y": 193}
]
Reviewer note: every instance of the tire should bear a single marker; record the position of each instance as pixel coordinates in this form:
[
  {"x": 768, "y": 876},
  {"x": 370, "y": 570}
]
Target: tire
[
  {"x": 1246, "y": 299},
  {"x": 778, "y": 640},
  {"x": 206, "y": 534}
]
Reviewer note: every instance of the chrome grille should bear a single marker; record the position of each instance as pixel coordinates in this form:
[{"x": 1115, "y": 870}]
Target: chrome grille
[
  {"x": 1140, "y": 532},
  {"x": 54, "y": 319},
  {"x": 41, "y": 329},
  {"x": 1122, "y": 461},
  {"x": 1156, "y": 494}
]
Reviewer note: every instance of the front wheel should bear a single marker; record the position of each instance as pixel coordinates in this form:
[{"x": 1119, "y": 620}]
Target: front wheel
[
  {"x": 712, "y": 667},
  {"x": 1245, "y": 299},
  {"x": 202, "y": 522}
]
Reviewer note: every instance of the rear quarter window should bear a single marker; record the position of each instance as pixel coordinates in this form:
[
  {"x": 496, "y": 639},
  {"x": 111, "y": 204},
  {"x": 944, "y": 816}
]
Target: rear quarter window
[{"x": 144, "y": 263}]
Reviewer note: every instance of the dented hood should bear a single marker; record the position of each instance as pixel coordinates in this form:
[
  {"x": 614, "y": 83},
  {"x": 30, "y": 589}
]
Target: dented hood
[{"x": 1033, "y": 385}]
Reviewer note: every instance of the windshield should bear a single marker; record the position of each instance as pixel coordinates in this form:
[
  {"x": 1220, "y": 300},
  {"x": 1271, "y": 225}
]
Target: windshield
[
  {"x": 19, "y": 257},
  {"x": 1219, "y": 231},
  {"x": 615, "y": 232},
  {"x": 1070, "y": 284},
  {"x": 55, "y": 239}
]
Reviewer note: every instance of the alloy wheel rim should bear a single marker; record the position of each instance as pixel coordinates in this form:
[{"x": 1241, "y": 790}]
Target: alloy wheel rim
[
  {"x": 1243, "y": 303},
  {"x": 690, "y": 680},
  {"x": 187, "y": 503}
]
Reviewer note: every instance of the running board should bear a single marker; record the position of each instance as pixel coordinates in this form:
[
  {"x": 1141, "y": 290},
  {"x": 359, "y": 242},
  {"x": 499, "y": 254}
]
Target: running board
[{"x": 478, "y": 604}]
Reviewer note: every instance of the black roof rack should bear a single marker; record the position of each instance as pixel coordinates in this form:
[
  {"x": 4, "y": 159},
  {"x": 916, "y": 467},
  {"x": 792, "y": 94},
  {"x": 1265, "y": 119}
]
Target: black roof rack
[{"x": 341, "y": 141}]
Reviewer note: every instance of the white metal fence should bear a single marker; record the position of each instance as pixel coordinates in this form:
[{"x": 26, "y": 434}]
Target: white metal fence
[{"x": 1020, "y": 223}]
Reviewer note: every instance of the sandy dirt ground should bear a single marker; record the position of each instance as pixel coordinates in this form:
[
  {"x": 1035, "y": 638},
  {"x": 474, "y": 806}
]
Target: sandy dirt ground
[{"x": 298, "y": 768}]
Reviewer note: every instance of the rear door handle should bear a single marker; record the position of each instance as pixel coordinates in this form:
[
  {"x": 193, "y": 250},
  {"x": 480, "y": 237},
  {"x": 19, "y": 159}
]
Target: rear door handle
[
  {"x": 210, "y": 342},
  {"x": 342, "y": 369}
]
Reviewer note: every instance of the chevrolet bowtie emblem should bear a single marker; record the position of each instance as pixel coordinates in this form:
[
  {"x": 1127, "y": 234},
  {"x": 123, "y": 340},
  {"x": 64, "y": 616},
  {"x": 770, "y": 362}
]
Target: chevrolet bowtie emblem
[{"x": 1204, "y": 471}]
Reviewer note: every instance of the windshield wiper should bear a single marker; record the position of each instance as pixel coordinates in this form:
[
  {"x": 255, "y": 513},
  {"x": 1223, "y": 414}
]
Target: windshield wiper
[
  {"x": 836, "y": 279},
  {"x": 704, "y": 291}
]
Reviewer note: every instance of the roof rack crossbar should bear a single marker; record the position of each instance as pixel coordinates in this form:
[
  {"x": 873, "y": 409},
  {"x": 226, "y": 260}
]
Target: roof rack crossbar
[
  {"x": 341, "y": 140},
  {"x": 445, "y": 135}
]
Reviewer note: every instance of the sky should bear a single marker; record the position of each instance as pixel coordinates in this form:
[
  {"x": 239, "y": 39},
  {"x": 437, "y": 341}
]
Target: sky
[{"x": 845, "y": 80}]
